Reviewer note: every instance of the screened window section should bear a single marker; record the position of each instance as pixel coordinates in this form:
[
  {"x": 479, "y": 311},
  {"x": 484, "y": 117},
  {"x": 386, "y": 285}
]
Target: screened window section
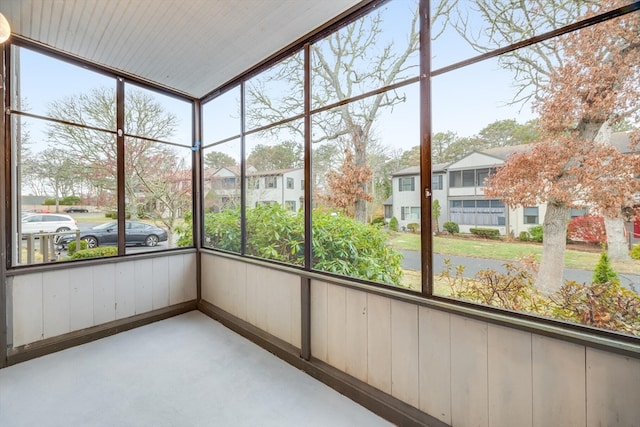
[
  {"x": 510, "y": 160},
  {"x": 364, "y": 104},
  {"x": 63, "y": 154},
  {"x": 158, "y": 170}
]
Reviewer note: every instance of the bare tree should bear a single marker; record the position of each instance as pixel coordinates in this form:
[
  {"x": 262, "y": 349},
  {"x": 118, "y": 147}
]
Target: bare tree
[{"x": 351, "y": 61}]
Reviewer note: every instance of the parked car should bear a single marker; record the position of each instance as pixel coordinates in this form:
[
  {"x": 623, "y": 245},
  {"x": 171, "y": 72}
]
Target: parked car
[
  {"x": 47, "y": 223},
  {"x": 136, "y": 233},
  {"x": 73, "y": 209}
]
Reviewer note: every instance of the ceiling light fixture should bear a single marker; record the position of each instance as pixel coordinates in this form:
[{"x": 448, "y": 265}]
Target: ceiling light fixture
[{"x": 5, "y": 29}]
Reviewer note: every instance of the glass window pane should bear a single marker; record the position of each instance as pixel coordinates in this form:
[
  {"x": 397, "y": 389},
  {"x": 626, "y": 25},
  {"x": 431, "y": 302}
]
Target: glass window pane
[
  {"x": 50, "y": 87},
  {"x": 221, "y": 117},
  {"x": 222, "y": 198},
  {"x": 464, "y": 29},
  {"x": 274, "y": 205},
  {"x": 64, "y": 188},
  {"x": 158, "y": 185},
  {"x": 357, "y": 171},
  {"x": 276, "y": 94},
  {"x": 375, "y": 51},
  {"x": 157, "y": 116},
  {"x": 585, "y": 114}
]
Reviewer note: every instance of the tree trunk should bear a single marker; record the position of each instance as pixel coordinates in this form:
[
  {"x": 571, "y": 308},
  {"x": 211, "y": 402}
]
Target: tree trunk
[
  {"x": 360, "y": 160},
  {"x": 617, "y": 244},
  {"x": 554, "y": 244}
]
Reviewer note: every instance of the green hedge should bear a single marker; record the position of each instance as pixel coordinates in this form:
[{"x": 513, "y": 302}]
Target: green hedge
[
  {"x": 71, "y": 246},
  {"x": 341, "y": 245},
  {"x": 489, "y": 233},
  {"x": 99, "y": 252}
]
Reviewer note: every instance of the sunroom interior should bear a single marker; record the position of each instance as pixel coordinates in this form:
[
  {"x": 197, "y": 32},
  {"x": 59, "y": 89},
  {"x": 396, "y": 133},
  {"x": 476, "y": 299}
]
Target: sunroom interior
[{"x": 296, "y": 156}]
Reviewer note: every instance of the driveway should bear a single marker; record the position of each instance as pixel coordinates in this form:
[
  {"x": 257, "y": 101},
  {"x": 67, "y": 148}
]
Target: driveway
[{"x": 411, "y": 261}]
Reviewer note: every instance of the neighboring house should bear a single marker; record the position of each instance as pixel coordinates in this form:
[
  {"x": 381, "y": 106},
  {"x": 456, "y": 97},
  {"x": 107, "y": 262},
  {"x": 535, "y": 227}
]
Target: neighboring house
[
  {"x": 404, "y": 202},
  {"x": 466, "y": 204},
  {"x": 459, "y": 188},
  {"x": 284, "y": 187}
]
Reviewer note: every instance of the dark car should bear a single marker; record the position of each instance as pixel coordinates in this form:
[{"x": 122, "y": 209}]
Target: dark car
[
  {"x": 136, "y": 233},
  {"x": 75, "y": 209}
]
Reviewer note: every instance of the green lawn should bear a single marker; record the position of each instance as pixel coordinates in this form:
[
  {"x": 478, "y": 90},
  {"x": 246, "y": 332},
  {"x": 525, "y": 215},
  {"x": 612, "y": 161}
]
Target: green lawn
[{"x": 508, "y": 251}]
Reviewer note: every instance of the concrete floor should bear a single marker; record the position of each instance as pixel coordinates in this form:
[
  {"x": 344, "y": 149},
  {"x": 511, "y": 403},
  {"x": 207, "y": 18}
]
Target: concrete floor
[{"x": 185, "y": 371}]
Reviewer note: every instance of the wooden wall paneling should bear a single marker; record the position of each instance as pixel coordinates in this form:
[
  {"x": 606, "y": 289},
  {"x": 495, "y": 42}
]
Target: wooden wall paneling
[
  {"x": 125, "y": 290},
  {"x": 104, "y": 293},
  {"x": 319, "y": 319},
  {"x": 27, "y": 309},
  {"x": 177, "y": 279},
  {"x": 613, "y": 389},
  {"x": 143, "y": 273},
  {"x": 558, "y": 382},
  {"x": 160, "y": 283},
  {"x": 256, "y": 297},
  {"x": 80, "y": 298},
  {"x": 435, "y": 363},
  {"x": 336, "y": 322},
  {"x": 55, "y": 303},
  {"x": 379, "y": 341},
  {"x": 283, "y": 305},
  {"x": 469, "y": 400},
  {"x": 190, "y": 274},
  {"x": 509, "y": 377},
  {"x": 356, "y": 334},
  {"x": 405, "y": 353}
]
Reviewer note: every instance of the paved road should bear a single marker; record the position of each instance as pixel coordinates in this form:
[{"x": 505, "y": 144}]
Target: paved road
[{"x": 472, "y": 265}]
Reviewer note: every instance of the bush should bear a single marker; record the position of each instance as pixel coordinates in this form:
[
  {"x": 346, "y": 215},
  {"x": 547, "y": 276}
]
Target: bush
[
  {"x": 114, "y": 215},
  {"x": 604, "y": 273},
  {"x": 413, "y": 227},
  {"x": 524, "y": 236},
  {"x": 341, "y": 245},
  {"x": 100, "y": 251},
  {"x": 603, "y": 305},
  {"x": 70, "y": 200},
  {"x": 588, "y": 229},
  {"x": 378, "y": 221},
  {"x": 635, "y": 252},
  {"x": 49, "y": 202},
  {"x": 393, "y": 224},
  {"x": 451, "y": 227},
  {"x": 71, "y": 246},
  {"x": 488, "y": 233},
  {"x": 536, "y": 233}
]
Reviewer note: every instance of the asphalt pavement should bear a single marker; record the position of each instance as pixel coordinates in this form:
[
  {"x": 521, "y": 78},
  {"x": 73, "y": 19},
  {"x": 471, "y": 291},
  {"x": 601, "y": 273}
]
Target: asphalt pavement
[{"x": 411, "y": 261}]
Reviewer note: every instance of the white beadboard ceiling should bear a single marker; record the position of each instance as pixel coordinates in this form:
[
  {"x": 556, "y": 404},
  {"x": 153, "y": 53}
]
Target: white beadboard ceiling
[{"x": 191, "y": 46}]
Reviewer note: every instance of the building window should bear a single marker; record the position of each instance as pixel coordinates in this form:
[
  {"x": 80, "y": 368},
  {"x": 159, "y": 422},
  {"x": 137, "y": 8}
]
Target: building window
[
  {"x": 410, "y": 213},
  {"x": 481, "y": 175},
  {"x": 290, "y": 205},
  {"x": 290, "y": 183},
  {"x": 531, "y": 215},
  {"x": 469, "y": 177},
  {"x": 271, "y": 182},
  {"x": 406, "y": 183},
  {"x": 478, "y": 213},
  {"x": 437, "y": 182}
]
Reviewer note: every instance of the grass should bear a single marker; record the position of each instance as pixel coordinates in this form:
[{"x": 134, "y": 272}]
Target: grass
[{"x": 507, "y": 251}]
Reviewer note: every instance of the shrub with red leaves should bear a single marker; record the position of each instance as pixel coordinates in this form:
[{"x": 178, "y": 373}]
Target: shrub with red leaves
[{"x": 589, "y": 229}]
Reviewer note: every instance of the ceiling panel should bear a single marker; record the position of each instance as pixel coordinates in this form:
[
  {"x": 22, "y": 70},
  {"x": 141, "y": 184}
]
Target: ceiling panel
[{"x": 191, "y": 46}]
